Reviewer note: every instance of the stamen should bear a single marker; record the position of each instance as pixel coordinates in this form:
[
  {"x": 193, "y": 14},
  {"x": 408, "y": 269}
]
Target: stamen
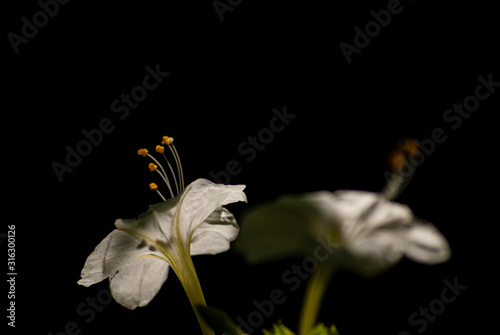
[
  {"x": 179, "y": 166},
  {"x": 167, "y": 140},
  {"x": 152, "y": 167},
  {"x": 142, "y": 152},
  {"x": 163, "y": 175},
  {"x": 396, "y": 160},
  {"x": 170, "y": 142},
  {"x": 409, "y": 146},
  {"x": 154, "y": 187},
  {"x": 393, "y": 187},
  {"x": 161, "y": 150},
  {"x": 403, "y": 170}
]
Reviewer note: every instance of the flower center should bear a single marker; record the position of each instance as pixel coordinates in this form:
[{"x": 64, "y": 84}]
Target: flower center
[{"x": 177, "y": 176}]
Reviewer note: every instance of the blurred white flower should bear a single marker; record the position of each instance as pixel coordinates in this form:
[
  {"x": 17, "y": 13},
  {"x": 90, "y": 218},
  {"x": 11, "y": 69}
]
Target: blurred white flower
[{"x": 363, "y": 231}]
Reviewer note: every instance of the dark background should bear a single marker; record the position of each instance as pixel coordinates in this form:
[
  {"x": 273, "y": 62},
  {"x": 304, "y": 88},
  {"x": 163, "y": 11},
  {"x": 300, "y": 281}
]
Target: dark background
[{"x": 225, "y": 79}]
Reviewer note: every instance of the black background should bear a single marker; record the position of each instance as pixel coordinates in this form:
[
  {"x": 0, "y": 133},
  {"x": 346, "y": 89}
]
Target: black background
[{"x": 225, "y": 79}]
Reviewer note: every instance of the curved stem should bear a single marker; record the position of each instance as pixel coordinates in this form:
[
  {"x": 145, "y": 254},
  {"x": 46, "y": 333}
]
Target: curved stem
[
  {"x": 315, "y": 290},
  {"x": 189, "y": 280},
  {"x": 183, "y": 266}
]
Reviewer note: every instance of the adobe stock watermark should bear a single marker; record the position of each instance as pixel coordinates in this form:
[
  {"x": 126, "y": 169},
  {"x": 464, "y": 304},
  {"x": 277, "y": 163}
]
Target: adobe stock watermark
[
  {"x": 453, "y": 118},
  {"x": 363, "y": 37},
  {"x": 429, "y": 313},
  {"x": 249, "y": 148},
  {"x": 88, "y": 310},
  {"x": 292, "y": 278},
  {"x": 121, "y": 107},
  {"x": 223, "y": 6},
  {"x": 30, "y": 27}
]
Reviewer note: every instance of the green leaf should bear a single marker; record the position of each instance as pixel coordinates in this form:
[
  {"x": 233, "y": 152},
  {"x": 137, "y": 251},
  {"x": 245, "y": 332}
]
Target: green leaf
[
  {"x": 220, "y": 322},
  {"x": 321, "y": 329},
  {"x": 278, "y": 329}
]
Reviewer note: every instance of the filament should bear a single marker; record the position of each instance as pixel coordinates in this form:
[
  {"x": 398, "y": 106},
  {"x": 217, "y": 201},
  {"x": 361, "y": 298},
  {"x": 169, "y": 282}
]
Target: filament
[
  {"x": 164, "y": 175},
  {"x": 179, "y": 165},
  {"x": 173, "y": 173},
  {"x": 157, "y": 191}
]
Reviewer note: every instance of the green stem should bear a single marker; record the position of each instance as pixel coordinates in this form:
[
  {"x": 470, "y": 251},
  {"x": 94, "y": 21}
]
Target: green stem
[
  {"x": 183, "y": 266},
  {"x": 189, "y": 280},
  {"x": 315, "y": 290}
]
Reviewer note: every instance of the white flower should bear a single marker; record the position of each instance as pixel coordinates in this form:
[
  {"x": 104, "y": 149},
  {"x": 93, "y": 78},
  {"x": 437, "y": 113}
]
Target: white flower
[
  {"x": 137, "y": 255},
  {"x": 362, "y": 231}
]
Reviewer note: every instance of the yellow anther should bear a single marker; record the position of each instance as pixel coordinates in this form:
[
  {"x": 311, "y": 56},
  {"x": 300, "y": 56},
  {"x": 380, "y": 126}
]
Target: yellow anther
[
  {"x": 396, "y": 160},
  {"x": 142, "y": 152},
  {"x": 409, "y": 146},
  {"x": 167, "y": 140},
  {"x": 152, "y": 167},
  {"x": 153, "y": 186},
  {"x": 160, "y": 149}
]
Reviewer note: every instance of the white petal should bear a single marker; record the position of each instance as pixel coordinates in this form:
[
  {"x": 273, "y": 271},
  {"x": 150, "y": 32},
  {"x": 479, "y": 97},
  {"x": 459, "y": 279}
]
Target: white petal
[
  {"x": 346, "y": 205},
  {"x": 117, "y": 250},
  {"x": 175, "y": 220},
  {"x": 358, "y": 210},
  {"x": 215, "y": 233},
  {"x": 93, "y": 270},
  {"x": 155, "y": 222},
  {"x": 368, "y": 260},
  {"x": 374, "y": 232},
  {"x": 287, "y": 227},
  {"x": 200, "y": 199},
  {"x": 371, "y": 254},
  {"x": 136, "y": 284},
  {"x": 382, "y": 248},
  {"x": 423, "y": 243}
]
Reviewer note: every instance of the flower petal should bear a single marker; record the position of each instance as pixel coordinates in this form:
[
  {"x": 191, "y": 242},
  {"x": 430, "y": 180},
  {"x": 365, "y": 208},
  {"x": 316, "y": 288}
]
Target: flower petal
[
  {"x": 358, "y": 210},
  {"x": 287, "y": 227},
  {"x": 347, "y": 205},
  {"x": 366, "y": 232},
  {"x": 117, "y": 250},
  {"x": 367, "y": 259},
  {"x": 215, "y": 233},
  {"x": 200, "y": 199},
  {"x": 93, "y": 270},
  {"x": 136, "y": 284},
  {"x": 155, "y": 222},
  {"x": 382, "y": 248},
  {"x": 423, "y": 243}
]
